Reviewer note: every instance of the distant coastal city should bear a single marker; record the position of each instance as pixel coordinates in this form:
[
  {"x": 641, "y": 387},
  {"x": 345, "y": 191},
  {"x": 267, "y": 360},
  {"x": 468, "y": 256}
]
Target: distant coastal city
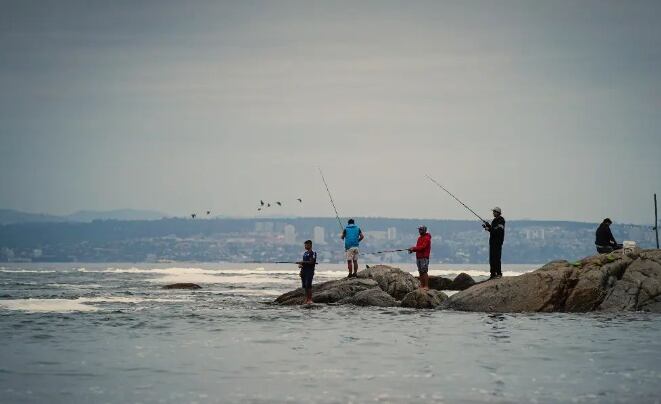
[{"x": 280, "y": 239}]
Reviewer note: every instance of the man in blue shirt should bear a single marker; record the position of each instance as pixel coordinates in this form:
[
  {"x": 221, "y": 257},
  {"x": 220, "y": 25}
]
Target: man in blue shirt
[
  {"x": 307, "y": 270},
  {"x": 352, "y": 236}
]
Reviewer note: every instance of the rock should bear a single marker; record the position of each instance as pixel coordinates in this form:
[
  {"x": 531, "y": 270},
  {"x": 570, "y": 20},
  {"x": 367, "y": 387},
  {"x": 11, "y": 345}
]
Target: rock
[
  {"x": 636, "y": 288},
  {"x": 439, "y": 283},
  {"x": 329, "y": 292},
  {"x": 371, "y": 297},
  {"x": 393, "y": 281},
  {"x": 423, "y": 299},
  {"x": 182, "y": 286},
  {"x": 606, "y": 282},
  {"x": 463, "y": 281}
]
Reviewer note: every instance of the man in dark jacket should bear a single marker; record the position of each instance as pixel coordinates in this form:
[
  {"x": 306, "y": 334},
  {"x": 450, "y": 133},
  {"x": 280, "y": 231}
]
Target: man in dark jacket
[
  {"x": 422, "y": 250},
  {"x": 496, "y": 238},
  {"x": 604, "y": 239}
]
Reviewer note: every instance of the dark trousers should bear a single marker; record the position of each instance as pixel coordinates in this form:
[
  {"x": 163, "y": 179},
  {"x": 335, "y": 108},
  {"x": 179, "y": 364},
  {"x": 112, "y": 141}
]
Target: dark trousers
[{"x": 495, "y": 252}]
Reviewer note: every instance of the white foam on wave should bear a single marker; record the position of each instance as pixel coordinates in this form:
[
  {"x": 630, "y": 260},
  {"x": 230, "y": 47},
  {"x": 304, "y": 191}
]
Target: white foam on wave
[
  {"x": 47, "y": 305},
  {"x": 223, "y": 276},
  {"x": 81, "y": 304},
  {"x": 31, "y": 271},
  {"x": 74, "y": 286}
]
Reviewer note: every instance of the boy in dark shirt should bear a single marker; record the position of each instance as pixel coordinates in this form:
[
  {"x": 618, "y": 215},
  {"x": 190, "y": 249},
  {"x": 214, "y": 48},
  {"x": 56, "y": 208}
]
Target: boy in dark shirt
[{"x": 307, "y": 270}]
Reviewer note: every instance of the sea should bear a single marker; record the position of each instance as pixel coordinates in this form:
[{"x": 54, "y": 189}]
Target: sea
[{"x": 109, "y": 333}]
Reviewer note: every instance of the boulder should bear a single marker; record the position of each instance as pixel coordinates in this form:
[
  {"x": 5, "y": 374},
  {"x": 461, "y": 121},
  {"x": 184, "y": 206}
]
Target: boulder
[
  {"x": 387, "y": 285},
  {"x": 393, "y": 281},
  {"x": 462, "y": 281},
  {"x": 371, "y": 297},
  {"x": 439, "y": 282},
  {"x": 605, "y": 282},
  {"x": 423, "y": 299},
  {"x": 329, "y": 292},
  {"x": 182, "y": 286}
]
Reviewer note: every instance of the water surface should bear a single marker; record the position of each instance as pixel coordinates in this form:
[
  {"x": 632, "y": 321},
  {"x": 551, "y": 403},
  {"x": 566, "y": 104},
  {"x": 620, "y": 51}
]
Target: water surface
[{"x": 109, "y": 333}]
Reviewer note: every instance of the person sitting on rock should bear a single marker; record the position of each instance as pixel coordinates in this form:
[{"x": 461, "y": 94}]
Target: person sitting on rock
[
  {"x": 307, "y": 270},
  {"x": 422, "y": 251},
  {"x": 604, "y": 239}
]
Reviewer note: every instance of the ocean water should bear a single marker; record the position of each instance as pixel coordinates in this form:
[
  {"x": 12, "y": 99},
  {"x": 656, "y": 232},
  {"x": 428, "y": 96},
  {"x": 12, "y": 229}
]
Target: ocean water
[{"x": 108, "y": 333}]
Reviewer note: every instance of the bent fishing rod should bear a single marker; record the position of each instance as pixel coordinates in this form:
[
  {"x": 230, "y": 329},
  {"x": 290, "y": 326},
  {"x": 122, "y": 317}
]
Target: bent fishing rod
[
  {"x": 457, "y": 199},
  {"x": 337, "y": 215}
]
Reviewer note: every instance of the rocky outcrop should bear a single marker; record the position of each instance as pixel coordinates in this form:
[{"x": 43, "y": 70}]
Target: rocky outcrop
[
  {"x": 371, "y": 297},
  {"x": 380, "y": 285},
  {"x": 423, "y": 299},
  {"x": 182, "y": 286},
  {"x": 393, "y": 281},
  {"x": 439, "y": 283},
  {"x": 606, "y": 282},
  {"x": 329, "y": 292},
  {"x": 463, "y": 281}
]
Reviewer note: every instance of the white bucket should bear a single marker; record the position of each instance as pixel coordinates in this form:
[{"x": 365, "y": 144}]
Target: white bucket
[{"x": 628, "y": 247}]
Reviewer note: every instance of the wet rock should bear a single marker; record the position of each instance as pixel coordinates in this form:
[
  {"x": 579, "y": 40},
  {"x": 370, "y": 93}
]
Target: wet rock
[
  {"x": 439, "y": 282},
  {"x": 605, "y": 282},
  {"x": 329, "y": 292},
  {"x": 371, "y": 297},
  {"x": 393, "y": 281},
  {"x": 182, "y": 286},
  {"x": 423, "y": 299},
  {"x": 462, "y": 281}
]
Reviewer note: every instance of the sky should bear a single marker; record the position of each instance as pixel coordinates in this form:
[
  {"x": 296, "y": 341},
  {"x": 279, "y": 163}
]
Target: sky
[{"x": 550, "y": 110}]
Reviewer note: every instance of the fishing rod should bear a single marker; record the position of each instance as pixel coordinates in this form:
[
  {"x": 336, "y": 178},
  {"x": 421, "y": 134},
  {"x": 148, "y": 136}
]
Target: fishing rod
[
  {"x": 386, "y": 251},
  {"x": 271, "y": 262},
  {"x": 337, "y": 215},
  {"x": 457, "y": 199}
]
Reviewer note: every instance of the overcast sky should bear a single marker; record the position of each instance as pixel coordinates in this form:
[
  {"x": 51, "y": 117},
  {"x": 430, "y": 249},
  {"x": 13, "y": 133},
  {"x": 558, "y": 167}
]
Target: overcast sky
[{"x": 551, "y": 110}]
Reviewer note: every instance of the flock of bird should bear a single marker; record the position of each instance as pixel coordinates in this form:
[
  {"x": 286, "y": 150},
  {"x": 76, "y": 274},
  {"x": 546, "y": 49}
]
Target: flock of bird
[
  {"x": 262, "y": 205},
  {"x": 266, "y": 205}
]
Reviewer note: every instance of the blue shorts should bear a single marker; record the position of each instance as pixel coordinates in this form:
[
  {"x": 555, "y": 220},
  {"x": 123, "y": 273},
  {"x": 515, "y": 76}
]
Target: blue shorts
[{"x": 306, "y": 278}]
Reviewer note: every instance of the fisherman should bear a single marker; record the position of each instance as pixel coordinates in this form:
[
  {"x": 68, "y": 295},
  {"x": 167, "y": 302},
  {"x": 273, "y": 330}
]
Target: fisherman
[
  {"x": 422, "y": 251},
  {"x": 352, "y": 236},
  {"x": 307, "y": 270},
  {"x": 496, "y": 238},
  {"x": 604, "y": 239}
]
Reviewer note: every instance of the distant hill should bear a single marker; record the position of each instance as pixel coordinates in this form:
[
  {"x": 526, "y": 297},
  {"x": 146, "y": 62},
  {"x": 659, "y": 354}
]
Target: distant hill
[
  {"x": 10, "y": 216},
  {"x": 118, "y": 214}
]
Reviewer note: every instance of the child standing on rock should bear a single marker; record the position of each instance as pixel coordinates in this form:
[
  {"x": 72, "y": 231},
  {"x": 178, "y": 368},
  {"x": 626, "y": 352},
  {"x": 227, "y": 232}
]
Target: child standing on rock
[
  {"x": 422, "y": 250},
  {"x": 307, "y": 270}
]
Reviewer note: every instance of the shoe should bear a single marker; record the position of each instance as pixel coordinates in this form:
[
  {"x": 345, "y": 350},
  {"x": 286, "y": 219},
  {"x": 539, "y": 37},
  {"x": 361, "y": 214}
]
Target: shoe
[{"x": 499, "y": 276}]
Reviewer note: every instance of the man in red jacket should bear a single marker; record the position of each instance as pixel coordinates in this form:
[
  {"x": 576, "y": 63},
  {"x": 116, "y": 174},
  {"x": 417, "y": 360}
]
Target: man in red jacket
[{"x": 422, "y": 250}]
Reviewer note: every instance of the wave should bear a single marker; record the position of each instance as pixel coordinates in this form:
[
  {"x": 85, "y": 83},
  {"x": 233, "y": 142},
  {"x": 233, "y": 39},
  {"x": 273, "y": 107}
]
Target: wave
[
  {"x": 32, "y": 271},
  {"x": 81, "y": 304}
]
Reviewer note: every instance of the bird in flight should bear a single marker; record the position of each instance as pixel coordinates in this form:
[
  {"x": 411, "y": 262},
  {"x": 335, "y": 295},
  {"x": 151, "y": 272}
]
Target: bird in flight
[
  {"x": 279, "y": 204},
  {"x": 261, "y": 202},
  {"x": 300, "y": 200},
  {"x": 268, "y": 205},
  {"x": 208, "y": 212},
  {"x": 192, "y": 215}
]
